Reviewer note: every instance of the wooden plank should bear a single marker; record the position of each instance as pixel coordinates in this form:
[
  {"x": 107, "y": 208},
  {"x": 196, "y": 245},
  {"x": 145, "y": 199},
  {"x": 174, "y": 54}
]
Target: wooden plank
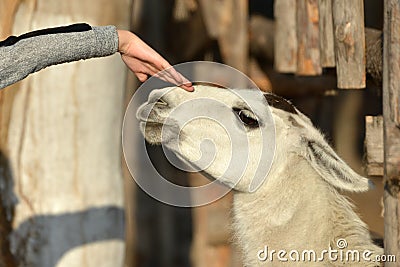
[
  {"x": 391, "y": 90},
  {"x": 7, "y": 203},
  {"x": 183, "y": 9},
  {"x": 258, "y": 76},
  {"x": 308, "y": 56},
  {"x": 227, "y": 21},
  {"x": 211, "y": 231},
  {"x": 7, "y": 14},
  {"x": 326, "y": 39},
  {"x": 374, "y": 145},
  {"x": 218, "y": 223},
  {"x": 285, "y": 36},
  {"x": 52, "y": 168},
  {"x": 262, "y": 30},
  {"x": 212, "y": 16},
  {"x": 262, "y": 40},
  {"x": 348, "y": 19},
  {"x": 394, "y": 52},
  {"x": 233, "y": 41}
]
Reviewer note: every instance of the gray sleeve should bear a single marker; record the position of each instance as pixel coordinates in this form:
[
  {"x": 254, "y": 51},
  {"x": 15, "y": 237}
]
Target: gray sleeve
[{"x": 36, "y": 52}]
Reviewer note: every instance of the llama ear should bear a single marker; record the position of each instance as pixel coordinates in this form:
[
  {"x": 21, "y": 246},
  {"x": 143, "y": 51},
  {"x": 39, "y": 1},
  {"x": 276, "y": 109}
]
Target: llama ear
[{"x": 333, "y": 169}]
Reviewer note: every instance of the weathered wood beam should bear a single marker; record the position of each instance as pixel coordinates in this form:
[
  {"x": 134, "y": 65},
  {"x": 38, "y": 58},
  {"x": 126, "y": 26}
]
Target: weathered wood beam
[
  {"x": 265, "y": 43},
  {"x": 7, "y": 204},
  {"x": 211, "y": 231},
  {"x": 227, "y": 21},
  {"x": 391, "y": 92},
  {"x": 392, "y": 24},
  {"x": 211, "y": 11},
  {"x": 285, "y": 35},
  {"x": 263, "y": 29},
  {"x": 374, "y": 145},
  {"x": 233, "y": 41},
  {"x": 348, "y": 20},
  {"x": 326, "y": 36},
  {"x": 308, "y": 55}
]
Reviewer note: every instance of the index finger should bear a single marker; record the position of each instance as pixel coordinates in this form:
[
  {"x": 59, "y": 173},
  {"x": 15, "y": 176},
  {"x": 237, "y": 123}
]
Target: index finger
[{"x": 176, "y": 78}]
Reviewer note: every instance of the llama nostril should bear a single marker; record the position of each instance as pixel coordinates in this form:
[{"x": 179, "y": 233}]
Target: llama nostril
[{"x": 161, "y": 102}]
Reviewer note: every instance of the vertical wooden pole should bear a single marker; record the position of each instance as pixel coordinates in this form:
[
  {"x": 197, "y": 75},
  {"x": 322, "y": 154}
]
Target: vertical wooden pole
[
  {"x": 348, "y": 19},
  {"x": 233, "y": 40},
  {"x": 391, "y": 91},
  {"x": 308, "y": 56},
  {"x": 285, "y": 58},
  {"x": 60, "y": 169},
  {"x": 374, "y": 145},
  {"x": 130, "y": 187},
  {"x": 211, "y": 12},
  {"x": 7, "y": 200},
  {"x": 227, "y": 21},
  {"x": 392, "y": 38},
  {"x": 326, "y": 39}
]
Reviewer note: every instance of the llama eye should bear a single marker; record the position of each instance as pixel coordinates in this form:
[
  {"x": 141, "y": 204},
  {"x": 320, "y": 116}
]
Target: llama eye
[{"x": 247, "y": 117}]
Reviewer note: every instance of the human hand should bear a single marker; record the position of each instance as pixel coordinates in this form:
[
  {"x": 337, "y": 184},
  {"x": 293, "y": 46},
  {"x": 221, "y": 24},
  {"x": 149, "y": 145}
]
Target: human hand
[{"x": 142, "y": 60}]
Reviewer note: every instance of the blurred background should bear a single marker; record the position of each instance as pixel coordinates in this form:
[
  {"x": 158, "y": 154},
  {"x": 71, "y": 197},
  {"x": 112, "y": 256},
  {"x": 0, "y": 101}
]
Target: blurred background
[{"x": 67, "y": 198}]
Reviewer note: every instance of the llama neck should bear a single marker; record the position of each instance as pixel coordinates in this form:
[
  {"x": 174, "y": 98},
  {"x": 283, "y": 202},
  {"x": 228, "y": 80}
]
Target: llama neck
[{"x": 295, "y": 209}]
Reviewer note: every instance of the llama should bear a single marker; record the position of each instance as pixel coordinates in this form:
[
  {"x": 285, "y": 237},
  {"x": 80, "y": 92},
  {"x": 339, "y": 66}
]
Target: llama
[{"x": 298, "y": 207}]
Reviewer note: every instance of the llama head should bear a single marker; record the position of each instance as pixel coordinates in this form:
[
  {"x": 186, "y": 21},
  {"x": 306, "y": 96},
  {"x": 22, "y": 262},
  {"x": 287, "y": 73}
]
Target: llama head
[{"x": 229, "y": 134}]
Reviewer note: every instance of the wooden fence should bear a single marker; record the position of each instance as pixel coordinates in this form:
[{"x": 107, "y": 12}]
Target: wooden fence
[{"x": 310, "y": 35}]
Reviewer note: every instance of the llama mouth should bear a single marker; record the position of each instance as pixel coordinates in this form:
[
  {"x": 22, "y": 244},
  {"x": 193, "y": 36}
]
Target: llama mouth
[
  {"x": 151, "y": 122},
  {"x": 154, "y": 124},
  {"x": 147, "y": 117},
  {"x": 151, "y": 118}
]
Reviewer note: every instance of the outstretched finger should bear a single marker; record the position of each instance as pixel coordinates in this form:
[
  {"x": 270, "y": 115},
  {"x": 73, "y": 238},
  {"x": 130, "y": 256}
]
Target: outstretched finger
[
  {"x": 171, "y": 75},
  {"x": 180, "y": 80}
]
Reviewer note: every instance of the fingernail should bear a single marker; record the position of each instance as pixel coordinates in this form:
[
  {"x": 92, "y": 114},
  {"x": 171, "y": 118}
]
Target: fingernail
[{"x": 189, "y": 88}]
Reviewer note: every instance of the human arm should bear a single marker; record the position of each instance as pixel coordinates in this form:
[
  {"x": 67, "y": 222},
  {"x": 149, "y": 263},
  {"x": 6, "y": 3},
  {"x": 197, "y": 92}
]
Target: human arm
[{"x": 31, "y": 52}]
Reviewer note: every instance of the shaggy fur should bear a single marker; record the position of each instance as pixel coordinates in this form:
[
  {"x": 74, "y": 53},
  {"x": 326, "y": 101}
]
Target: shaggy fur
[{"x": 299, "y": 205}]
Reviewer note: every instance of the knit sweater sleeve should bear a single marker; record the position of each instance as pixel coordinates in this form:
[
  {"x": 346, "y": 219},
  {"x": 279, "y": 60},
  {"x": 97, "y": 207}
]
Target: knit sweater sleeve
[{"x": 33, "y": 51}]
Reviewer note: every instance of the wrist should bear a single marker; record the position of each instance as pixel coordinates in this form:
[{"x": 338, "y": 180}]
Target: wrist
[{"x": 123, "y": 40}]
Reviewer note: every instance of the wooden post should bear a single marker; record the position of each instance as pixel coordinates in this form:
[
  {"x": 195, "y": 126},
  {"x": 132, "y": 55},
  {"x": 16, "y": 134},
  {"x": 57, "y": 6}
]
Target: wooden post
[
  {"x": 326, "y": 39},
  {"x": 391, "y": 91},
  {"x": 212, "y": 233},
  {"x": 7, "y": 205},
  {"x": 308, "y": 56},
  {"x": 228, "y": 23},
  {"x": 60, "y": 168},
  {"x": 392, "y": 37},
  {"x": 285, "y": 36},
  {"x": 262, "y": 30},
  {"x": 211, "y": 11},
  {"x": 374, "y": 145},
  {"x": 348, "y": 19},
  {"x": 233, "y": 40}
]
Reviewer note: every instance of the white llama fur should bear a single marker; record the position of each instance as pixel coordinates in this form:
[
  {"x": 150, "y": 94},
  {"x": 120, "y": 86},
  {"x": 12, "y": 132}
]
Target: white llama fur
[{"x": 299, "y": 206}]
